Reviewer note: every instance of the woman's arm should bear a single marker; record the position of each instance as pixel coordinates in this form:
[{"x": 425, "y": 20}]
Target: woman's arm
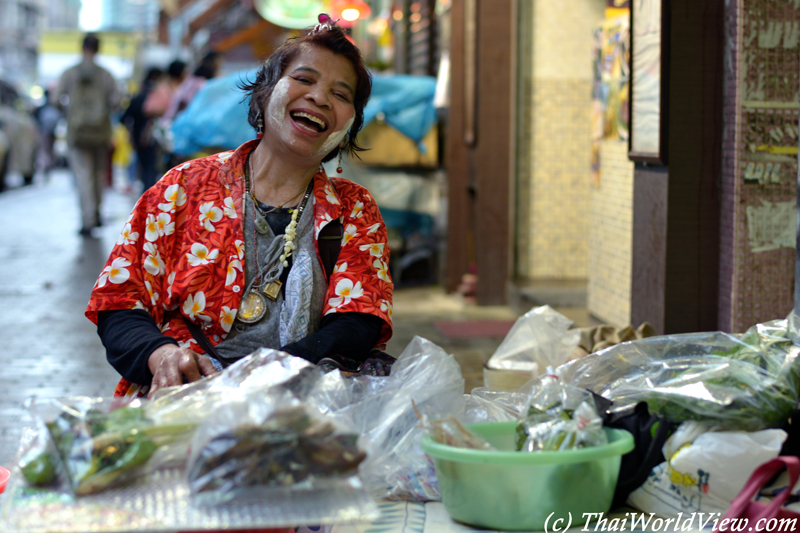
[
  {"x": 351, "y": 335},
  {"x": 138, "y": 350}
]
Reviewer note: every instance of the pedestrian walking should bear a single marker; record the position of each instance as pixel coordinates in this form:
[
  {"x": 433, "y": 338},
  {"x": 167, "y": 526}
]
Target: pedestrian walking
[
  {"x": 140, "y": 127},
  {"x": 47, "y": 115},
  {"x": 91, "y": 96}
]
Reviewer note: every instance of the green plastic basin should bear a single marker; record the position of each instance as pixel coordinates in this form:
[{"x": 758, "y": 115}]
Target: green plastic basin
[{"x": 512, "y": 490}]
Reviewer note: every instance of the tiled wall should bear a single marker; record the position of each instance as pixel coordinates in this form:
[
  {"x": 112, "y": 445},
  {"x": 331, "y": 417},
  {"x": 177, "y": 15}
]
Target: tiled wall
[
  {"x": 757, "y": 282},
  {"x": 610, "y": 235},
  {"x": 554, "y": 205}
]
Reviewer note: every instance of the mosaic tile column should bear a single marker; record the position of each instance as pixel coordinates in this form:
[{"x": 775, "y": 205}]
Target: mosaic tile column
[{"x": 759, "y": 172}]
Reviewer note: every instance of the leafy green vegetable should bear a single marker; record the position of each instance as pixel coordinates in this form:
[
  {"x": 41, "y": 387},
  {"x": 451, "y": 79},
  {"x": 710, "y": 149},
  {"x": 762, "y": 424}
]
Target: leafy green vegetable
[{"x": 97, "y": 447}]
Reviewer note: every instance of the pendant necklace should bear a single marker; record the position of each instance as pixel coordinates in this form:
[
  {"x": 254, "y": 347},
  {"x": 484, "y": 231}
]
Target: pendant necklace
[{"x": 253, "y": 306}]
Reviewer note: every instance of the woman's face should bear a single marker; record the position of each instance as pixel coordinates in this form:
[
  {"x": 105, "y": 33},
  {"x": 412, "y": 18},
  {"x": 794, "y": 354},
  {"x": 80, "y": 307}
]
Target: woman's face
[{"x": 311, "y": 107}]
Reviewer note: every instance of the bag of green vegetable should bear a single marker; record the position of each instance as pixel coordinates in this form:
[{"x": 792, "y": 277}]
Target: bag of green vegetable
[
  {"x": 256, "y": 443},
  {"x": 85, "y": 445},
  {"x": 559, "y": 417},
  {"x": 744, "y": 381}
]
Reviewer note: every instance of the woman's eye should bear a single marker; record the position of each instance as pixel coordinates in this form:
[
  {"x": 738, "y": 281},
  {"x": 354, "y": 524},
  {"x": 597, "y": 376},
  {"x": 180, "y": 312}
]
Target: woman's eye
[
  {"x": 303, "y": 80},
  {"x": 343, "y": 97}
]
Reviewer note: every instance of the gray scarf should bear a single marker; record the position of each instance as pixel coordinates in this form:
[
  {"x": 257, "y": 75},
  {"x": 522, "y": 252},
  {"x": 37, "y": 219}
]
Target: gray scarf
[{"x": 300, "y": 313}]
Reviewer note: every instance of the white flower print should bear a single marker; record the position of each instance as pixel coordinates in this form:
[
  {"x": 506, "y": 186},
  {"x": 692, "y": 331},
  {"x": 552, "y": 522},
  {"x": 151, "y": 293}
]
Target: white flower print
[
  {"x": 346, "y": 291},
  {"x": 340, "y": 268},
  {"x": 233, "y": 266},
  {"x": 224, "y": 156},
  {"x": 229, "y": 209},
  {"x": 165, "y": 224},
  {"x": 208, "y": 214},
  {"x": 200, "y": 255},
  {"x": 373, "y": 228},
  {"x": 376, "y": 248},
  {"x": 151, "y": 228},
  {"x": 330, "y": 194},
  {"x": 350, "y": 232},
  {"x": 323, "y": 221},
  {"x": 170, "y": 281},
  {"x": 386, "y": 306},
  {"x": 154, "y": 296},
  {"x": 194, "y": 305},
  {"x": 153, "y": 263},
  {"x": 115, "y": 272},
  {"x": 383, "y": 270},
  {"x": 127, "y": 236},
  {"x": 239, "y": 248},
  {"x": 175, "y": 196},
  {"x": 186, "y": 344},
  {"x": 227, "y": 317},
  {"x": 184, "y": 166},
  {"x": 139, "y": 305},
  {"x": 357, "y": 210}
]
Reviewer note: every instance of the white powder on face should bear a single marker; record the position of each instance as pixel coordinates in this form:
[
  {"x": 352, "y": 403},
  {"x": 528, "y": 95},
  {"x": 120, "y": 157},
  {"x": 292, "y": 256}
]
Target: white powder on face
[
  {"x": 335, "y": 138},
  {"x": 278, "y": 102}
]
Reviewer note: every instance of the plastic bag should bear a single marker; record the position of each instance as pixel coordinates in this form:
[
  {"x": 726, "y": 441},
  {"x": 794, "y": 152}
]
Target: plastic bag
[
  {"x": 539, "y": 338},
  {"x": 96, "y": 443},
  {"x": 263, "y": 370},
  {"x": 258, "y": 442},
  {"x": 736, "y": 381},
  {"x": 380, "y": 410},
  {"x": 704, "y": 470},
  {"x": 450, "y": 431},
  {"x": 489, "y": 405},
  {"x": 559, "y": 417}
]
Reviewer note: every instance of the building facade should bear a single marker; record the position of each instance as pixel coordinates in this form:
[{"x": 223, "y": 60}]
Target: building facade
[
  {"x": 21, "y": 22},
  {"x": 130, "y": 15}
]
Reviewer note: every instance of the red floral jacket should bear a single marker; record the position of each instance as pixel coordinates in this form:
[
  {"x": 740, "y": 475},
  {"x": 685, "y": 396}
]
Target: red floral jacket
[{"x": 181, "y": 252}]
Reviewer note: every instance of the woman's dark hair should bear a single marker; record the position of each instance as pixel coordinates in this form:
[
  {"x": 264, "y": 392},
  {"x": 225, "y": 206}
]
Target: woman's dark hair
[{"x": 331, "y": 38}]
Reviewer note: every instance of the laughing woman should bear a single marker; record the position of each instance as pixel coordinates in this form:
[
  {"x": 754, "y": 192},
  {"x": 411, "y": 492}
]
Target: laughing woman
[{"x": 257, "y": 247}]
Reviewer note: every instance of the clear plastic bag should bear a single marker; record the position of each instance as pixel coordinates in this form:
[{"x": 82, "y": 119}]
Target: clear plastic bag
[
  {"x": 380, "y": 410},
  {"x": 489, "y": 405},
  {"x": 451, "y": 432},
  {"x": 734, "y": 381},
  {"x": 540, "y": 338},
  {"x": 262, "y": 370},
  {"x": 85, "y": 445},
  {"x": 559, "y": 417},
  {"x": 256, "y": 443}
]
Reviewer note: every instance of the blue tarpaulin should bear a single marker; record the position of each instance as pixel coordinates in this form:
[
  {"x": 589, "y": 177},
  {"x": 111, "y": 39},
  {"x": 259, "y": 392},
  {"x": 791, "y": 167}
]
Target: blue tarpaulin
[{"x": 217, "y": 116}]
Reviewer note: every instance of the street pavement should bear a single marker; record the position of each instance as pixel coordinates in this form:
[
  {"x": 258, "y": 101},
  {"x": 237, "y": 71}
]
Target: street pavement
[{"x": 47, "y": 272}]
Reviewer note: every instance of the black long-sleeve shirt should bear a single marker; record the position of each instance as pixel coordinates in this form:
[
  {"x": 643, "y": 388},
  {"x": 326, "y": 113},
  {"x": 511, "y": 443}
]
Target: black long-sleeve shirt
[{"x": 130, "y": 336}]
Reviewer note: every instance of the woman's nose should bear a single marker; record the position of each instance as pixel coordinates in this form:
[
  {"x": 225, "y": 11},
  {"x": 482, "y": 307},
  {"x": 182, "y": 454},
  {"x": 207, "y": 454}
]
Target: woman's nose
[{"x": 319, "y": 97}]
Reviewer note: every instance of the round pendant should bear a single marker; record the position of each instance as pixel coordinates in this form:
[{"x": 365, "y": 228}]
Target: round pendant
[
  {"x": 262, "y": 226},
  {"x": 252, "y": 308}
]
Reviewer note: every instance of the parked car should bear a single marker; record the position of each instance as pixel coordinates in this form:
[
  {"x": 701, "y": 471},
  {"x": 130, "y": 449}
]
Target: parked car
[{"x": 21, "y": 134}]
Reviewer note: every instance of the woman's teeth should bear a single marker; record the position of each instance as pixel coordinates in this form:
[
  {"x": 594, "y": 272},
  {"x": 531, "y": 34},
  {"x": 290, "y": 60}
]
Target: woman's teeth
[{"x": 315, "y": 121}]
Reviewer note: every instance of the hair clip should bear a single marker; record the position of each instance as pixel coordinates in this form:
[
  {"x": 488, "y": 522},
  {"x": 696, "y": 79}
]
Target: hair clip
[{"x": 325, "y": 23}]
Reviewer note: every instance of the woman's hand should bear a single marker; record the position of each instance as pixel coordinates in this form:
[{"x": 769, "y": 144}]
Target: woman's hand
[{"x": 172, "y": 365}]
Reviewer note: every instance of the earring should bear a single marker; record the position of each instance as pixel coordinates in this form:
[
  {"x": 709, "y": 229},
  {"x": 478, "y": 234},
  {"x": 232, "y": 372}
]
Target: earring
[
  {"x": 339, "y": 168},
  {"x": 260, "y": 130}
]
